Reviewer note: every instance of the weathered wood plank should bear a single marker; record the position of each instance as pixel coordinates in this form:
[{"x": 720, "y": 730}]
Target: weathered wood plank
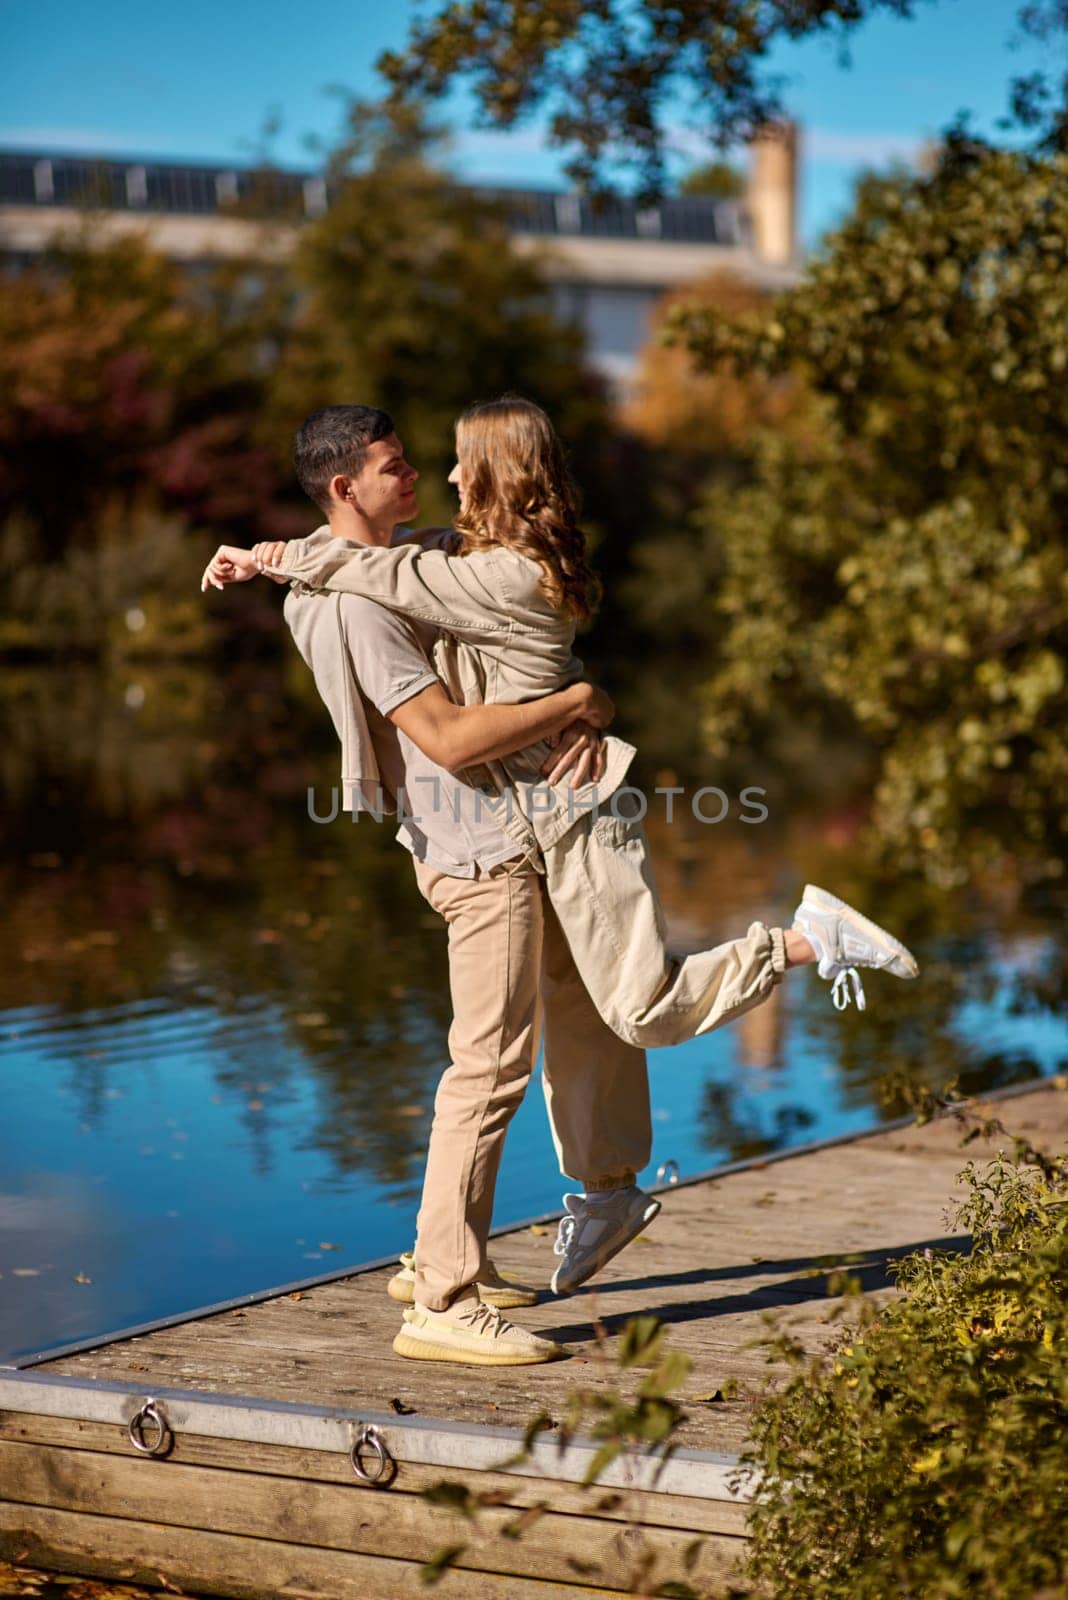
[
  {"x": 342, "y": 1517},
  {"x": 326, "y": 1466},
  {"x": 244, "y": 1568}
]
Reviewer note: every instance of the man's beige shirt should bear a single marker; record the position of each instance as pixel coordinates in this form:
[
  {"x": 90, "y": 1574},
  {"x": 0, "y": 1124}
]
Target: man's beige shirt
[{"x": 499, "y": 640}]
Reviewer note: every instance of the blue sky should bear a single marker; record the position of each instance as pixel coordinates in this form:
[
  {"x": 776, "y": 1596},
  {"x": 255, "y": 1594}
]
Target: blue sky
[{"x": 198, "y": 80}]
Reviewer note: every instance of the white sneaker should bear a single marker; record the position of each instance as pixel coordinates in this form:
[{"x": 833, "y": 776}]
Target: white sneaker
[
  {"x": 495, "y": 1288},
  {"x": 471, "y": 1333},
  {"x": 844, "y": 940},
  {"x": 593, "y": 1231}
]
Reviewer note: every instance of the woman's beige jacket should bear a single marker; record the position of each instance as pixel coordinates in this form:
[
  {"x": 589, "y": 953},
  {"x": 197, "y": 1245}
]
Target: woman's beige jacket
[{"x": 500, "y": 641}]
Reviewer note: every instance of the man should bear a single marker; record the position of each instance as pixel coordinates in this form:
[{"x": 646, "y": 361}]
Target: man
[{"x": 484, "y": 883}]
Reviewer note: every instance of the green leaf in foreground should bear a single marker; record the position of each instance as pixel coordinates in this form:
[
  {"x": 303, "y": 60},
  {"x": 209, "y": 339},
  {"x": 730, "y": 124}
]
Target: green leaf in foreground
[{"x": 434, "y": 1570}]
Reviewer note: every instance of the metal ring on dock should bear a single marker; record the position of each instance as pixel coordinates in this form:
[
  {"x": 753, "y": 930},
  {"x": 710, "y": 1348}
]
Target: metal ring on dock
[
  {"x": 149, "y": 1412},
  {"x": 668, "y": 1171},
  {"x": 369, "y": 1438}
]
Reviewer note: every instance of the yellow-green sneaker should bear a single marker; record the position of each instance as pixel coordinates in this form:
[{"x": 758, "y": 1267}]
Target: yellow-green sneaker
[
  {"x": 472, "y": 1334},
  {"x": 498, "y": 1289}
]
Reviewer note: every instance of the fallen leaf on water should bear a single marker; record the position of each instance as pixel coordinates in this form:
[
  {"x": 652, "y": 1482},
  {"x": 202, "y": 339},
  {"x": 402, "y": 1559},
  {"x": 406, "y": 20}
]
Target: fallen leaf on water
[
  {"x": 312, "y": 1019},
  {"x": 327, "y": 1246},
  {"x": 26, "y": 1272},
  {"x": 410, "y": 1111},
  {"x": 79, "y": 1277}
]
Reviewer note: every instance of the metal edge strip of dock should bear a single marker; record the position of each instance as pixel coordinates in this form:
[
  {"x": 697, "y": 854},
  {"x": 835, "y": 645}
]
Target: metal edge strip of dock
[{"x": 469, "y": 1446}]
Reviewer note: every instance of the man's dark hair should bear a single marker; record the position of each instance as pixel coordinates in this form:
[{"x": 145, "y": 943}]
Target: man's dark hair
[{"x": 335, "y": 440}]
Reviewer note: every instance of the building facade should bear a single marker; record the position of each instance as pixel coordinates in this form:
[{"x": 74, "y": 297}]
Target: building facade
[{"x": 608, "y": 263}]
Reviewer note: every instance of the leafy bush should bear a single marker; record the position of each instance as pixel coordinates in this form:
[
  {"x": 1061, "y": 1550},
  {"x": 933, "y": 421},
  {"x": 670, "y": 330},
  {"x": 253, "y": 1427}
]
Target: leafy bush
[{"x": 926, "y": 1456}]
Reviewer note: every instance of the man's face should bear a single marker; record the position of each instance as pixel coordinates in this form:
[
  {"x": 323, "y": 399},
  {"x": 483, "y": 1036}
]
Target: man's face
[{"x": 384, "y": 488}]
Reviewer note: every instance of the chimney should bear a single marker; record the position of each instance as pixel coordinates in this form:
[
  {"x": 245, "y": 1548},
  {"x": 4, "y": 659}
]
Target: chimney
[{"x": 772, "y": 193}]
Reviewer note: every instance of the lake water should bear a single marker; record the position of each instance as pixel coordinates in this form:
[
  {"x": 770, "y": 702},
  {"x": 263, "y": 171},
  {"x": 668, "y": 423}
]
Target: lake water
[{"x": 222, "y": 1024}]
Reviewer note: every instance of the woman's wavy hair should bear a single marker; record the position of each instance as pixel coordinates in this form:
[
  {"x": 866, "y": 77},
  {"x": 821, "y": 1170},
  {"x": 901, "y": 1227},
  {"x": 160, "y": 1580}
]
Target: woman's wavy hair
[{"x": 518, "y": 493}]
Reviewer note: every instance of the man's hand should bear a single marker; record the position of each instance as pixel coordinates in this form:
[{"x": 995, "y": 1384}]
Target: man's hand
[
  {"x": 228, "y": 565},
  {"x": 578, "y": 750},
  {"x": 267, "y": 554},
  {"x": 596, "y": 707}
]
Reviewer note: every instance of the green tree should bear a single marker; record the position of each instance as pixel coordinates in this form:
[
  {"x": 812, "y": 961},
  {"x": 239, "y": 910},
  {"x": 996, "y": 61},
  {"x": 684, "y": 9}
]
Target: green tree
[
  {"x": 717, "y": 179},
  {"x": 413, "y": 296},
  {"x": 125, "y": 384},
  {"x": 614, "y": 75},
  {"x": 906, "y": 560}
]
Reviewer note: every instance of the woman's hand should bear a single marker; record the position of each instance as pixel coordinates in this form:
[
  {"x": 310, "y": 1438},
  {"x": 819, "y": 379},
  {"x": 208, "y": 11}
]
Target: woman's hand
[
  {"x": 578, "y": 750},
  {"x": 267, "y": 554},
  {"x": 229, "y": 564}
]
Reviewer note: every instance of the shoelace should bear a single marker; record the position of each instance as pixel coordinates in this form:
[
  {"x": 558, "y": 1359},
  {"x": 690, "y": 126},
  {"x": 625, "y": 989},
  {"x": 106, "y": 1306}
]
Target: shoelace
[
  {"x": 840, "y": 990},
  {"x": 565, "y": 1234},
  {"x": 485, "y": 1319}
]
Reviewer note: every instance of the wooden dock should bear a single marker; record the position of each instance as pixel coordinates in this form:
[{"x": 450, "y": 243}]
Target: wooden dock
[{"x": 256, "y": 1495}]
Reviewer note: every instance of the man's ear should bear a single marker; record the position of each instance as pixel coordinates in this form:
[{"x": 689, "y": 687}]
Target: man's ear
[{"x": 342, "y": 489}]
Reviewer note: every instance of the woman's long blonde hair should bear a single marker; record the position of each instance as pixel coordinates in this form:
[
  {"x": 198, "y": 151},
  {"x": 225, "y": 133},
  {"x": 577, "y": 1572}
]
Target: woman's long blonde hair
[{"x": 518, "y": 493}]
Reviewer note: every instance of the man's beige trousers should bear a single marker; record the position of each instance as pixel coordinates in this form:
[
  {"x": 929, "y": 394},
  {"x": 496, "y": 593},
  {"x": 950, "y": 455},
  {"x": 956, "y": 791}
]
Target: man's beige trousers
[{"x": 587, "y": 942}]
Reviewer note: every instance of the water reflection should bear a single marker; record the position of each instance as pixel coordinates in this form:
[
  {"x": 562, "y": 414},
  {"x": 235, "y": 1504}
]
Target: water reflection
[{"x": 222, "y": 1024}]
